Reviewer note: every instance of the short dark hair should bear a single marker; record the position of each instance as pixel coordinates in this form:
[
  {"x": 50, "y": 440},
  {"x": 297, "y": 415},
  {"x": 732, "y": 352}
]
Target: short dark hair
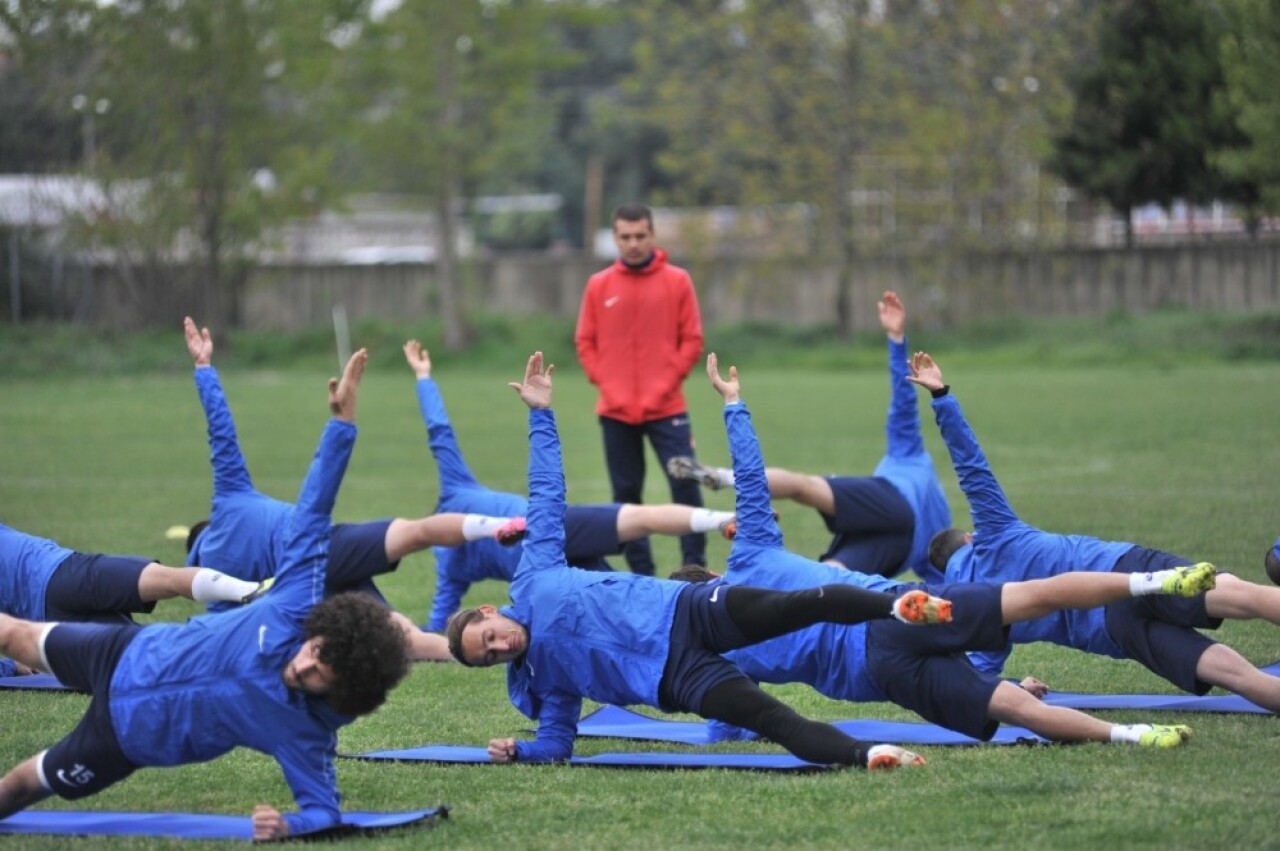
[
  {"x": 459, "y": 621},
  {"x": 364, "y": 647},
  {"x": 692, "y": 573},
  {"x": 195, "y": 533},
  {"x": 1272, "y": 563},
  {"x": 943, "y": 546},
  {"x": 633, "y": 211}
]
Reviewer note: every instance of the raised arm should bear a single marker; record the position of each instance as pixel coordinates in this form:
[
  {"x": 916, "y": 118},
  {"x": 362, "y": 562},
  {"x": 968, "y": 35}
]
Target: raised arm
[
  {"x": 446, "y": 601},
  {"x": 300, "y": 578},
  {"x": 987, "y": 502},
  {"x": 751, "y": 487},
  {"x": 902, "y": 428},
  {"x": 544, "y": 537},
  {"x": 230, "y": 473},
  {"x": 451, "y": 467}
]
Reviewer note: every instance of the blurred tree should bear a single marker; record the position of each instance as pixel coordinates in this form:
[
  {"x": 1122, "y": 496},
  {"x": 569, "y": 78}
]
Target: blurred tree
[
  {"x": 763, "y": 103},
  {"x": 981, "y": 82},
  {"x": 209, "y": 123},
  {"x": 1251, "y": 63},
  {"x": 868, "y": 111},
  {"x": 34, "y": 138},
  {"x": 449, "y": 94},
  {"x": 1144, "y": 120}
]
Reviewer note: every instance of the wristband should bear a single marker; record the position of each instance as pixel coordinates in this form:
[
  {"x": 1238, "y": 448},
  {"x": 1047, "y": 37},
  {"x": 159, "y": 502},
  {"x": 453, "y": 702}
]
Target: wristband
[{"x": 941, "y": 391}]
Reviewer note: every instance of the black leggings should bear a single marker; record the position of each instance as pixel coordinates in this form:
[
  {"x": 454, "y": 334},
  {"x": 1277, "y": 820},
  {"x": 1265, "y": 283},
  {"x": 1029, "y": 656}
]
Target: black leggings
[
  {"x": 742, "y": 703},
  {"x": 761, "y": 614}
]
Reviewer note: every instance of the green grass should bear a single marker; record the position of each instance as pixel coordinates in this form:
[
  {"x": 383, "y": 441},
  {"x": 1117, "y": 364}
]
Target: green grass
[
  {"x": 1163, "y": 339},
  {"x": 1178, "y": 456}
]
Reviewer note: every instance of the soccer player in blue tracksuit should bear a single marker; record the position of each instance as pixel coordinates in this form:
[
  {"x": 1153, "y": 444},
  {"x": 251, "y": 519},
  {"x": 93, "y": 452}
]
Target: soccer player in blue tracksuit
[
  {"x": 244, "y": 532},
  {"x": 625, "y": 639},
  {"x": 41, "y": 580},
  {"x": 279, "y": 675},
  {"x": 880, "y": 523},
  {"x": 923, "y": 670},
  {"x": 1159, "y": 632},
  {"x": 591, "y": 531}
]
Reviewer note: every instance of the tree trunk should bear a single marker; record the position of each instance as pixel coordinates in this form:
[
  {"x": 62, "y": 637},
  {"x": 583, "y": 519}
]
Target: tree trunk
[{"x": 456, "y": 333}]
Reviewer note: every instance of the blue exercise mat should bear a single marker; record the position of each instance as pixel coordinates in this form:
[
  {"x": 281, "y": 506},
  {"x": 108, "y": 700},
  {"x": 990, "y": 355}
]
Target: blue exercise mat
[
  {"x": 34, "y": 682},
  {"x": 462, "y": 755},
  {"x": 619, "y": 723},
  {"x": 195, "y": 825},
  {"x": 1158, "y": 702}
]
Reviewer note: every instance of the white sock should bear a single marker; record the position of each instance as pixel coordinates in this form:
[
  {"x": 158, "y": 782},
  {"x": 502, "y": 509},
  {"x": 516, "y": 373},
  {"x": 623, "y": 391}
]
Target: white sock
[
  {"x": 477, "y": 527},
  {"x": 210, "y": 586},
  {"x": 1128, "y": 733},
  {"x": 1142, "y": 584},
  {"x": 705, "y": 520},
  {"x": 725, "y": 475}
]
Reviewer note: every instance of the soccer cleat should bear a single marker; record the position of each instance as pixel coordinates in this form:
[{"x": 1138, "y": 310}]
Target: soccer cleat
[
  {"x": 1165, "y": 736},
  {"x": 510, "y": 533},
  {"x": 889, "y": 757},
  {"x": 263, "y": 587},
  {"x": 919, "y": 608},
  {"x": 729, "y": 528},
  {"x": 684, "y": 467},
  {"x": 1190, "y": 580}
]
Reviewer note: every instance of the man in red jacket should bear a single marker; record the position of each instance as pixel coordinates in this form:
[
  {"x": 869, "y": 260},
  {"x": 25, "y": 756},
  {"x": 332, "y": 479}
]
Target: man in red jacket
[{"x": 639, "y": 333}]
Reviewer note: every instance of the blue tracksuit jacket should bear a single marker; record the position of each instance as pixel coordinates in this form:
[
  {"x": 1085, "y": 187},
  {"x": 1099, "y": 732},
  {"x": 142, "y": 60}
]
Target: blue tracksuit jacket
[
  {"x": 245, "y": 534},
  {"x": 603, "y": 636},
  {"x": 190, "y": 692},
  {"x": 26, "y": 564},
  {"x": 1005, "y": 549},
  {"x": 909, "y": 468}
]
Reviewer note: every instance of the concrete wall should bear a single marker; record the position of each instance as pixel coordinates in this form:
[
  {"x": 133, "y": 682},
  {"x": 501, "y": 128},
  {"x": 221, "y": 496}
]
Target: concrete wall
[{"x": 943, "y": 289}]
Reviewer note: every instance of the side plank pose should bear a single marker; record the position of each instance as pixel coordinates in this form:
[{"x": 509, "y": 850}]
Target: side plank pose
[
  {"x": 880, "y": 523},
  {"x": 924, "y": 670},
  {"x": 41, "y": 580},
  {"x": 631, "y": 639},
  {"x": 1161, "y": 633},
  {"x": 592, "y": 532},
  {"x": 244, "y": 534},
  {"x": 279, "y": 675}
]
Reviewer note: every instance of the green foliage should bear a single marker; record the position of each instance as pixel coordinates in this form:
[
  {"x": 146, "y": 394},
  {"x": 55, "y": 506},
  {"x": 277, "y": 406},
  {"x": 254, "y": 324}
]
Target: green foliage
[
  {"x": 209, "y": 118},
  {"x": 1126, "y": 452},
  {"x": 1147, "y": 112},
  {"x": 1251, "y": 61}
]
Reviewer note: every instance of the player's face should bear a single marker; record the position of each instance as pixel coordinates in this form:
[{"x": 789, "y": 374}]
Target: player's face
[
  {"x": 493, "y": 640},
  {"x": 305, "y": 671},
  {"x": 634, "y": 240}
]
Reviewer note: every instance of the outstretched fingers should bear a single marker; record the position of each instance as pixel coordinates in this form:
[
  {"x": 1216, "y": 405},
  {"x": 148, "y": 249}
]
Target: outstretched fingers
[
  {"x": 729, "y": 389},
  {"x": 418, "y": 358},
  {"x": 342, "y": 393},
  {"x": 199, "y": 342},
  {"x": 925, "y": 372},
  {"x": 535, "y": 390}
]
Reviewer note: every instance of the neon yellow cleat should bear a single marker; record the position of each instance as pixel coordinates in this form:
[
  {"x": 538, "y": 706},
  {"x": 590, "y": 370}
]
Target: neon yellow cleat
[
  {"x": 1191, "y": 580},
  {"x": 1165, "y": 736}
]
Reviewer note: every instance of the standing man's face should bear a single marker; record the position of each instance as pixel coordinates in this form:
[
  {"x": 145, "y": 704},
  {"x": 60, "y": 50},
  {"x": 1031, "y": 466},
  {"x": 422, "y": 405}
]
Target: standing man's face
[{"x": 634, "y": 240}]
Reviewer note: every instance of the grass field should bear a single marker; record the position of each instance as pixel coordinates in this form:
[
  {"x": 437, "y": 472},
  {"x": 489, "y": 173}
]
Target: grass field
[{"x": 1183, "y": 458}]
